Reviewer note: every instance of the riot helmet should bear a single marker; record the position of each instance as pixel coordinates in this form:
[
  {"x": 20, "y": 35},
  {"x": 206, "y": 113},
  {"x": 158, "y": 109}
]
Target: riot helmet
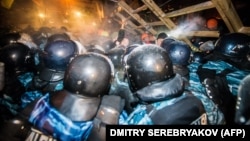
[
  {"x": 58, "y": 54},
  {"x": 81, "y": 49},
  {"x": 107, "y": 45},
  {"x": 198, "y": 57},
  {"x": 17, "y": 58},
  {"x": 166, "y": 42},
  {"x": 179, "y": 53},
  {"x": 147, "y": 64},
  {"x": 234, "y": 45},
  {"x": 45, "y": 31},
  {"x": 89, "y": 74},
  {"x": 128, "y": 50},
  {"x": 96, "y": 49},
  {"x": 116, "y": 55},
  {"x": 58, "y": 36}
]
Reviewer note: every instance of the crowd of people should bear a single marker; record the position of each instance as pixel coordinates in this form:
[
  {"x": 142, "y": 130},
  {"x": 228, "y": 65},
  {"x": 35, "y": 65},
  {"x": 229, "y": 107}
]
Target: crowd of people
[{"x": 55, "y": 87}]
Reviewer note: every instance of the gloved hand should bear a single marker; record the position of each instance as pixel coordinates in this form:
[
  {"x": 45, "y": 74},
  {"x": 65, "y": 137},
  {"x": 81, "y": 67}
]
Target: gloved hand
[
  {"x": 212, "y": 91},
  {"x": 207, "y": 78},
  {"x": 204, "y": 73}
]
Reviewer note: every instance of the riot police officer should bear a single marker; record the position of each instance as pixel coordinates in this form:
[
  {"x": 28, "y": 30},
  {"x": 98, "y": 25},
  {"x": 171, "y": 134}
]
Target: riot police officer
[
  {"x": 162, "y": 97},
  {"x": 82, "y": 108}
]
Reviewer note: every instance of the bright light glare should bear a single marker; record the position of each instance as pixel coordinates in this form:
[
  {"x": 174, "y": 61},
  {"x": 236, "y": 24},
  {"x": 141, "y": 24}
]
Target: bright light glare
[
  {"x": 78, "y": 14},
  {"x": 41, "y": 15},
  {"x": 94, "y": 24},
  {"x": 13, "y": 56},
  {"x": 60, "y": 53}
]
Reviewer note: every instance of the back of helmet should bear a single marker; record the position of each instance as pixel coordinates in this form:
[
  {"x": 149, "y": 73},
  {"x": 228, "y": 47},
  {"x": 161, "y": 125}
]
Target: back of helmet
[{"x": 89, "y": 74}]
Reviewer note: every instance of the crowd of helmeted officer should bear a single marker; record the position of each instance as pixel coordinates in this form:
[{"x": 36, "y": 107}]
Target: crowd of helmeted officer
[{"x": 54, "y": 87}]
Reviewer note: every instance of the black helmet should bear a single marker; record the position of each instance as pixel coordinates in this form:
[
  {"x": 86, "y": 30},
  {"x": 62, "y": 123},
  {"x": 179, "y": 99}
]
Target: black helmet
[
  {"x": 127, "y": 51},
  {"x": 107, "y": 45},
  {"x": 58, "y": 36},
  {"x": 58, "y": 54},
  {"x": 147, "y": 64},
  {"x": 166, "y": 42},
  {"x": 96, "y": 49},
  {"x": 17, "y": 58},
  {"x": 198, "y": 57},
  {"x": 89, "y": 74},
  {"x": 116, "y": 56},
  {"x": 130, "y": 48},
  {"x": 179, "y": 53},
  {"x": 233, "y": 45},
  {"x": 47, "y": 31}
]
